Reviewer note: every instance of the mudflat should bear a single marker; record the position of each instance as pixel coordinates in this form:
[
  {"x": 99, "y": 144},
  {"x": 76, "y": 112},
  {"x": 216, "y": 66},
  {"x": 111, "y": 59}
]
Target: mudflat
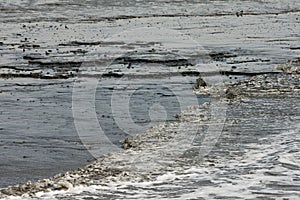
[{"x": 57, "y": 55}]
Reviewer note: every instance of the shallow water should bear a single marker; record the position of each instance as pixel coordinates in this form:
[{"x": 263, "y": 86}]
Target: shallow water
[
  {"x": 137, "y": 48},
  {"x": 247, "y": 162}
]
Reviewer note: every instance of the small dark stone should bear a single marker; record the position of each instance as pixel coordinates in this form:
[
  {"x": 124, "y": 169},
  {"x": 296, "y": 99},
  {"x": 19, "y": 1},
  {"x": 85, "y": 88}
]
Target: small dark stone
[
  {"x": 190, "y": 73},
  {"x": 240, "y": 13},
  {"x": 200, "y": 83},
  {"x": 231, "y": 93},
  {"x": 152, "y": 50}
]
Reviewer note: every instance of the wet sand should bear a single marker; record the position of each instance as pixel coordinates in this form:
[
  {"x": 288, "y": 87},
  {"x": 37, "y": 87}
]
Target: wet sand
[{"x": 46, "y": 46}]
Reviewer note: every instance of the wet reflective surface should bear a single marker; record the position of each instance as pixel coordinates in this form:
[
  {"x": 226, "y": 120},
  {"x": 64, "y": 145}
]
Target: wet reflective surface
[{"x": 152, "y": 52}]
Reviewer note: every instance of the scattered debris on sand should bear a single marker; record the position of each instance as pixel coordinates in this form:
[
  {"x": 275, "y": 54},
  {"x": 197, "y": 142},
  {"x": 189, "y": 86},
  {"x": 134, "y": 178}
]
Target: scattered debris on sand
[{"x": 287, "y": 82}]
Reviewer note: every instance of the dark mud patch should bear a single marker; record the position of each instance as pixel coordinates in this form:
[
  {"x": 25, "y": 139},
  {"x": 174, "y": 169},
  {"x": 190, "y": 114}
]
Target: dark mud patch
[
  {"x": 178, "y": 15},
  {"x": 221, "y": 56},
  {"x": 94, "y": 43},
  {"x": 153, "y": 57},
  {"x": 79, "y": 51},
  {"x": 248, "y": 61},
  {"x": 112, "y": 75},
  {"x": 33, "y": 57},
  {"x": 37, "y": 68},
  {"x": 190, "y": 73},
  {"x": 227, "y": 73},
  {"x": 165, "y": 61},
  {"x": 36, "y": 75},
  {"x": 294, "y": 48},
  {"x": 28, "y": 46},
  {"x": 49, "y": 65}
]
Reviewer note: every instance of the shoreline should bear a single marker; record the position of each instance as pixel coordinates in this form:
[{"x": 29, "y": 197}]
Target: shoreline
[
  {"x": 153, "y": 52},
  {"x": 106, "y": 170}
]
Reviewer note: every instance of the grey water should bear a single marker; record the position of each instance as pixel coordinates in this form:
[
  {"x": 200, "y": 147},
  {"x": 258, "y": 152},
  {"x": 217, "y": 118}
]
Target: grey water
[
  {"x": 42, "y": 40},
  {"x": 38, "y": 136}
]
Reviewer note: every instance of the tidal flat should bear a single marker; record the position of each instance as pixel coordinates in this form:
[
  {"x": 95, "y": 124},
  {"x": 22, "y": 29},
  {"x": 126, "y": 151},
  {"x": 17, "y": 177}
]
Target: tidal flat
[{"x": 70, "y": 70}]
